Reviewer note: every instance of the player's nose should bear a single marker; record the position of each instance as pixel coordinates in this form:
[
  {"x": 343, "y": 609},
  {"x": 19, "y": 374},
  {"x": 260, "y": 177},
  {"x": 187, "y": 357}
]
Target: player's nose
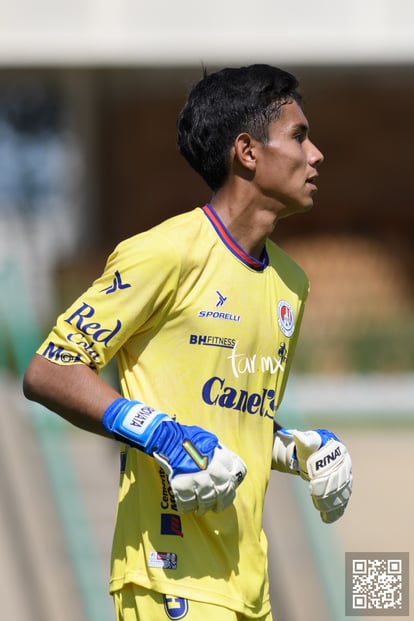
[{"x": 316, "y": 156}]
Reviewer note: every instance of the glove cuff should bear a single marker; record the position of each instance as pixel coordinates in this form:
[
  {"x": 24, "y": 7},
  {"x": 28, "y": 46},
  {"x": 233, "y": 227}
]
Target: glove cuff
[
  {"x": 284, "y": 453},
  {"x": 133, "y": 422}
]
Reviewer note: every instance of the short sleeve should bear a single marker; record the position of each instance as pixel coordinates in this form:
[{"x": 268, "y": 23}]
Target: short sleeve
[{"x": 133, "y": 294}]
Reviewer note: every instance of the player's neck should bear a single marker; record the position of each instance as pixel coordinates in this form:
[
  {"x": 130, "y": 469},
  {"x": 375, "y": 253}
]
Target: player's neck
[{"x": 249, "y": 225}]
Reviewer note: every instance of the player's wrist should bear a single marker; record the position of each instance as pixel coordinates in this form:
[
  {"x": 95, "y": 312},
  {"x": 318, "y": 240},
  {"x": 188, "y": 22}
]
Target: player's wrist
[{"x": 133, "y": 422}]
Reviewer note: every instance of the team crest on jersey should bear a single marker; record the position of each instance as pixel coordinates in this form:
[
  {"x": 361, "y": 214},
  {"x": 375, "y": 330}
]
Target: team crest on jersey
[
  {"x": 175, "y": 607},
  {"x": 285, "y": 318}
]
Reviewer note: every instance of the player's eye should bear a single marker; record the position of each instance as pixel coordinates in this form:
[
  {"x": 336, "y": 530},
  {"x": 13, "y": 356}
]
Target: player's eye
[{"x": 300, "y": 137}]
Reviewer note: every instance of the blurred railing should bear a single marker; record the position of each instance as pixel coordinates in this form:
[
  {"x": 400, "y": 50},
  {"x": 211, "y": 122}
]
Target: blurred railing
[{"x": 18, "y": 323}]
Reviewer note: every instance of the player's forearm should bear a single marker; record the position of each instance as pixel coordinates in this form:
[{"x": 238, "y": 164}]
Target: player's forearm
[{"x": 74, "y": 392}]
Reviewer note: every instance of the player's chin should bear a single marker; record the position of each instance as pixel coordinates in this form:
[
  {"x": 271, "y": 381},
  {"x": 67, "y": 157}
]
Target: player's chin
[
  {"x": 296, "y": 209},
  {"x": 306, "y": 205}
]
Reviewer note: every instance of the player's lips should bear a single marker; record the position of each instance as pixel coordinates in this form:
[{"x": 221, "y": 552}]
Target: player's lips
[{"x": 312, "y": 181}]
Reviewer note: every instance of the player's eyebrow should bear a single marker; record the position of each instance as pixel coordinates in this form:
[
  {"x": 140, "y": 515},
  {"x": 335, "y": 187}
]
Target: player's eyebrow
[{"x": 300, "y": 128}]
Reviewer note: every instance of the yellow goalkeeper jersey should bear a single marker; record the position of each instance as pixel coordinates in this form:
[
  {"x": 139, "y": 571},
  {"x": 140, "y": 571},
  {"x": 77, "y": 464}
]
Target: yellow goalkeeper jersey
[{"x": 205, "y": 333}]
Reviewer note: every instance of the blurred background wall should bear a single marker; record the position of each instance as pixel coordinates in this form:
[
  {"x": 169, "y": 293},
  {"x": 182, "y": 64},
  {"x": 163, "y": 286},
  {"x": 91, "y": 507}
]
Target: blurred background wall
[
  {"x": 89, "y": 95},
  {"x": 88, "y": 157}
]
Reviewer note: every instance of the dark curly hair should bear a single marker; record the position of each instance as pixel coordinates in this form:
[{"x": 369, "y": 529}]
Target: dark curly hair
[{"x": 224, "y": 104}]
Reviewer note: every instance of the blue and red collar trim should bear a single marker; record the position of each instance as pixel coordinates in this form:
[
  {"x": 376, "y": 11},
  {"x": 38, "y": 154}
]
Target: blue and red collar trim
[{"x": 231, "y": 243}]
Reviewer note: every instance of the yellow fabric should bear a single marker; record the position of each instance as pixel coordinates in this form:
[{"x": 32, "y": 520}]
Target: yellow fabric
[
  {"x": 134, "y": 603},
  {"x": 203, "y": 336}
]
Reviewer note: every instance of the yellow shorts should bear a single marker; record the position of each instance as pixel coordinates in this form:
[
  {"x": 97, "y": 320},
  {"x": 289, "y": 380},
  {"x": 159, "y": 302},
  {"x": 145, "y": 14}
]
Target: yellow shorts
[{"x": 134, "y": 603}]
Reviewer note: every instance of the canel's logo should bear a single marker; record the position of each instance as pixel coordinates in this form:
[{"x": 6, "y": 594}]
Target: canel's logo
[
  {"x": 285, "y": 318},
  {"x": 216, "y": 392}
]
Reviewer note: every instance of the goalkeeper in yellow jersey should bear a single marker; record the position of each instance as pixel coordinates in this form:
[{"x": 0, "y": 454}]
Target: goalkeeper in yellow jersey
[{"x": 203, "y": 314}]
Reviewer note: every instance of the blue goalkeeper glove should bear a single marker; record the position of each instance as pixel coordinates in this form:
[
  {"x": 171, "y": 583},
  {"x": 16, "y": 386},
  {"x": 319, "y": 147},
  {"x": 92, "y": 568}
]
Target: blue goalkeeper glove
[
  {"x": 203, "y": 474},
  {"x": 323, "y": 460}
]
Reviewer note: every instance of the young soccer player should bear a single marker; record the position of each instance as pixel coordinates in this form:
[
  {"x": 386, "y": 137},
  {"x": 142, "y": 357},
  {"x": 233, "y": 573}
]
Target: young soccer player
[{"x": 203, "y": 314}]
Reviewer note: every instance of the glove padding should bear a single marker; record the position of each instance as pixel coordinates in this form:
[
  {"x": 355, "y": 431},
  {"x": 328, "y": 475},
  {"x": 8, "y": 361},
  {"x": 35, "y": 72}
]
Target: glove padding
[
  {"x": 323, "y": 460},
  {"x": 209, "y": 485},
  {"x": 203, "y": 474}
]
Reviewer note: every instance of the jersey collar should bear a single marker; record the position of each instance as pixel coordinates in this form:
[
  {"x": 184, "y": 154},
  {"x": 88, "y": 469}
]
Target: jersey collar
[{"x": 231, "y": 243}]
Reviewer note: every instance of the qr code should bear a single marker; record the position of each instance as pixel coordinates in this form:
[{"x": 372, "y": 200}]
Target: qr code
[{"x": 377, "y": 583}]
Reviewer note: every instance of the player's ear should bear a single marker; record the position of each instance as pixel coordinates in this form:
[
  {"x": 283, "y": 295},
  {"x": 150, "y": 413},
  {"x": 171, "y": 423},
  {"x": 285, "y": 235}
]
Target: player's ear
[{"x": 245, "y": 151}]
